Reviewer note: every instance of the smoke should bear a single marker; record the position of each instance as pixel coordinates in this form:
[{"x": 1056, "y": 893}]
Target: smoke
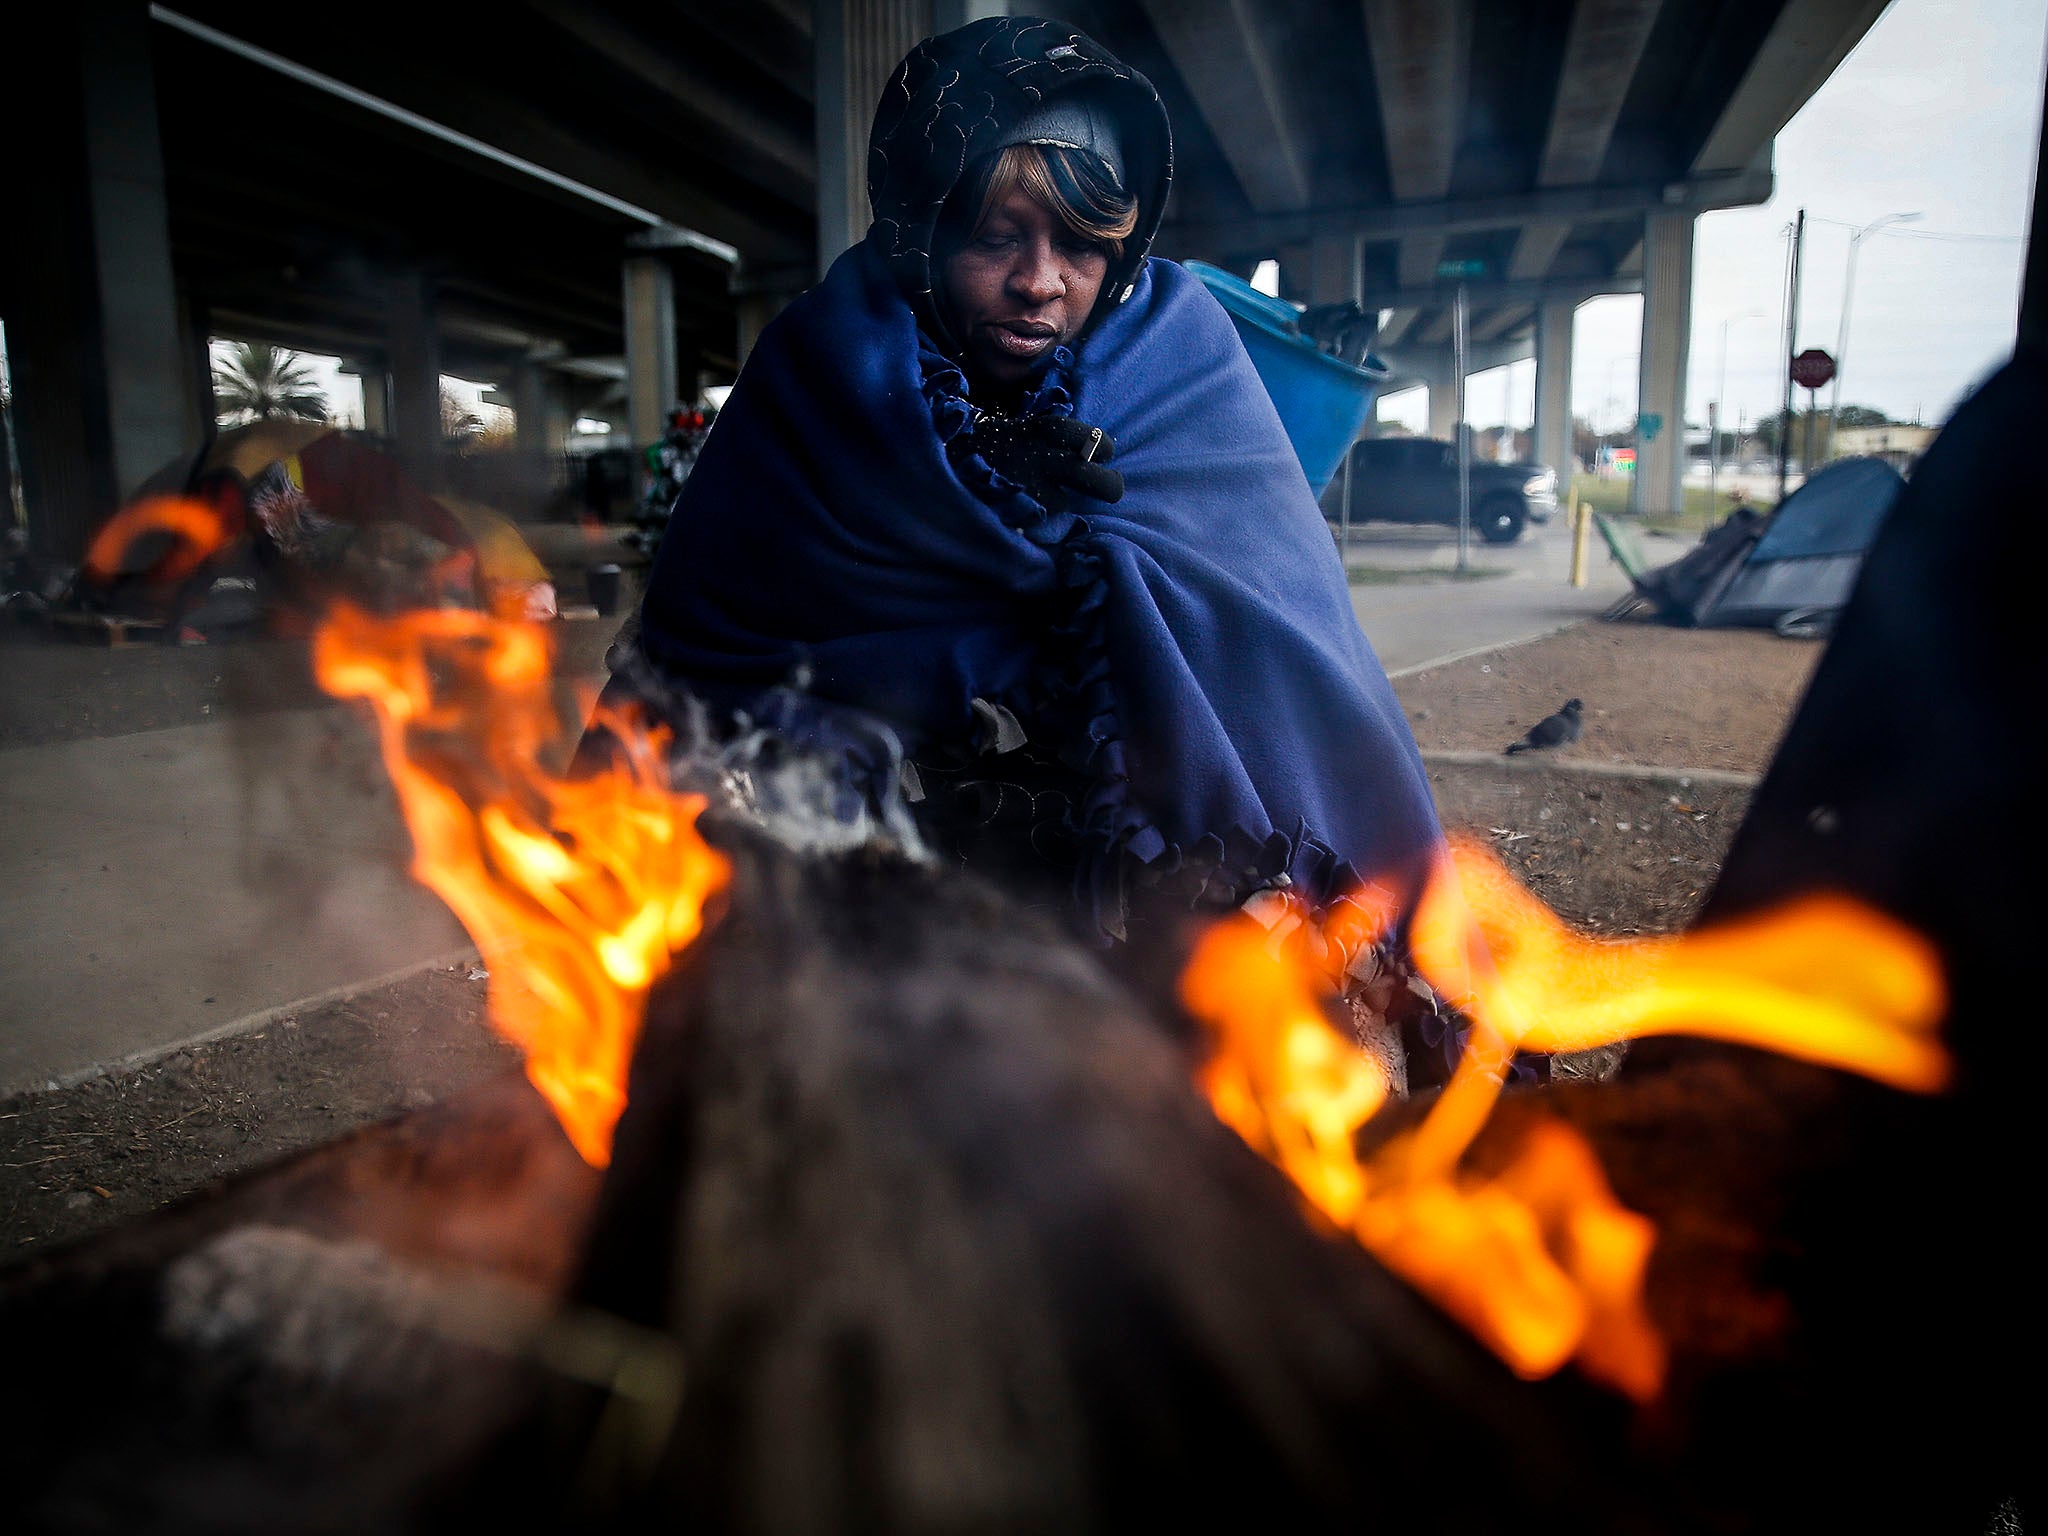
[{"x": 817, "y": 777}]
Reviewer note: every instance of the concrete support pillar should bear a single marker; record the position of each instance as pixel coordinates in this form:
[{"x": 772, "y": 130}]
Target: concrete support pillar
[
  {"x": 650, "y": 347},
  {"x": 104, "y": 386},
  {"x": 1554, "y": 320},
  {"x": 759, "y": 294},
  {"x": 1443, "y": 397},
  {"x": 1297, "y": 271},
  {"x": 858, "y": 44},
  {"x": 413, "y": 347},
  {"x": 754, "y": 311},
  {"x": 539, "y": 423},
  {"x": 948, "y": 14},
  {"x": 689, "y": 364},
  {"x": 1324, "y": 270},
  {"x": 1426, "y": 368},
  {"x": 194, "y": 347},
  {"x": 1333, "y": 269},
  {"x": 1667, "y": 334},
  {"x": 376, "y": 398}
]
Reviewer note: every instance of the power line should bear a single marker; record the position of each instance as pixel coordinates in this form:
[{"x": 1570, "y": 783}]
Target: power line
[
  {"x": 1922, "y": 234},
  {"x": 1935, "y": 234}
]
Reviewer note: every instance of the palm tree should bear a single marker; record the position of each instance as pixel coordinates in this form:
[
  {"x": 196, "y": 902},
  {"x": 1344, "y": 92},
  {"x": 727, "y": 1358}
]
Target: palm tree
[
  {"x": 458, "y": 421},
  {"x": 259, "y": 381}
]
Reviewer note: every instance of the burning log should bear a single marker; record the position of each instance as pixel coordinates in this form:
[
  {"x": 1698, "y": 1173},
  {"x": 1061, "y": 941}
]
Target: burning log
[
  {"x": 949, "y": 1241},
  {"x": 945, "y": 1239}
]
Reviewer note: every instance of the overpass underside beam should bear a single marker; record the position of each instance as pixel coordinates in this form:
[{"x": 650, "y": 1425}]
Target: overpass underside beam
[{"x": 1446, "y": 216}]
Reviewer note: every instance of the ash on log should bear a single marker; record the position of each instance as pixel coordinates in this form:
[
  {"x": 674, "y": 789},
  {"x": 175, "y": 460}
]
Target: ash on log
[{"x": 311, "y": 1348}]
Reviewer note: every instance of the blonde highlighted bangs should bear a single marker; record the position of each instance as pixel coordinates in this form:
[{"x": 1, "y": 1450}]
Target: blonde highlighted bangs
[{"x": 1071, "y": 184}]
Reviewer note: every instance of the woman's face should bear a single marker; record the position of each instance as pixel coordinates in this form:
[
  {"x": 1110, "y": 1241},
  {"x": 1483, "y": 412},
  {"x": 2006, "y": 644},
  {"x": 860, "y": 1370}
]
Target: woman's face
[{"x": 1021, "y": 285}]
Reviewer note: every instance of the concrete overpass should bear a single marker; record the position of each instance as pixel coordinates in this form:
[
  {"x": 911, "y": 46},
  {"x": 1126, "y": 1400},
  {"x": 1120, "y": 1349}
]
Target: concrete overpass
[
  {"x": 573, "y": 199},
  {"x": 1546, "y": 152}
]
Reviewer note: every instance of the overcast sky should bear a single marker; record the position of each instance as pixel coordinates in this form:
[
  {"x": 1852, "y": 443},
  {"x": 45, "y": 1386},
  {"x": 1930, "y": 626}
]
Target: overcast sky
[{"x": 1936, "y": 112}]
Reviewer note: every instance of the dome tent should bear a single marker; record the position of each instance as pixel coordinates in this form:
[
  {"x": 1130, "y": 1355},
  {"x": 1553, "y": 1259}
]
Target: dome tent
[{"x": 1791, "y": 571}]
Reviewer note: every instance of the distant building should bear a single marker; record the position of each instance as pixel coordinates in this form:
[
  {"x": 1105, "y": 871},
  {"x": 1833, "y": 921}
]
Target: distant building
[{"x": 1897, "y": 445}]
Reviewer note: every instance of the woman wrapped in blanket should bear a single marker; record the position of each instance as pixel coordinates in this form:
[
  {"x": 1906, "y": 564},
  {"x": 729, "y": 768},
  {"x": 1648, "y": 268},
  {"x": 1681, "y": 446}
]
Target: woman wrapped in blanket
[{"x": 1011, "y": 489}]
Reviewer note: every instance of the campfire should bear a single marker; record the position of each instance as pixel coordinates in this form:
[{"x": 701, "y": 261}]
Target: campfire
[
  {"x": 579, "y": 891},
  {"x": 912, "y": 1217}
]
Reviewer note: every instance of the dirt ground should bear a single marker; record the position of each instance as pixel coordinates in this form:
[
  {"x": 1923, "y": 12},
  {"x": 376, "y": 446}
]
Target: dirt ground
[
  {"x": 1683, "y": 698},
  {"x": 1613, "y": 850},
  {"x": 77, "y": 1159},
  {"x": 1616, "y": 856}
]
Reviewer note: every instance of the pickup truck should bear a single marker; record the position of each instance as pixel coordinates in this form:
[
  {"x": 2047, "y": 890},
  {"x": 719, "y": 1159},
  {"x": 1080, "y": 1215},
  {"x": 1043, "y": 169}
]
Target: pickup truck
[{"x": 1415, "y": 480}]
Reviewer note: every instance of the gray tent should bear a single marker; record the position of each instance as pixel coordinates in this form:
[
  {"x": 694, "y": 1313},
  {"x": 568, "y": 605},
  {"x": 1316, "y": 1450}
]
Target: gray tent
[{"x": 1791, "y": 571}]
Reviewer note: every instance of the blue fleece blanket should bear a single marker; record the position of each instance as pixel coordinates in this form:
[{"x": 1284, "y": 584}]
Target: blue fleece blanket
[{"x": 1191, "y": 649}]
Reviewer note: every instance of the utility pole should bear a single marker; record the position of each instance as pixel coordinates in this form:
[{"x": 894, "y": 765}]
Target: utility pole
[{"x": 1791, "y": 346}]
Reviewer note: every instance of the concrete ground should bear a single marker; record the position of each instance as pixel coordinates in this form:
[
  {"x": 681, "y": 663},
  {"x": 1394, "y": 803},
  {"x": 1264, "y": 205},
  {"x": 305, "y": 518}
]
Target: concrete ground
[
  {"x": 1417, "y": 611},
  {"x": 193, "y": 842},
  {"x": 194, "y": 837}
]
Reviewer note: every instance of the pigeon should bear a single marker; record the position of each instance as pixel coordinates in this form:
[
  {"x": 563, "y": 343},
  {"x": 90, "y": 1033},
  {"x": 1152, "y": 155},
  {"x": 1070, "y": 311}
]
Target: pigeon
[{"x": 1552, "y": 730}]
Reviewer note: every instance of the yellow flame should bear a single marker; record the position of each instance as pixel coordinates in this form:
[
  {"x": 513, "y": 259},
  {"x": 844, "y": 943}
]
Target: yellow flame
[
  {"x": 1280, "y": 1076},
  {"x": 577, "y": 892},
  {"x": 1538, "y": 1260}
]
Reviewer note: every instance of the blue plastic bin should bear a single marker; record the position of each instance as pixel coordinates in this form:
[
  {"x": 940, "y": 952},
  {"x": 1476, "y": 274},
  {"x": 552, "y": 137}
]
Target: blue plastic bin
[{"x": 1322, "y": 400}]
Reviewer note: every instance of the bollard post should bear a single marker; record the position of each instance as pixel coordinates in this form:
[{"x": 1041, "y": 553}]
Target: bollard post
[{"x": 1582, "y": 524}]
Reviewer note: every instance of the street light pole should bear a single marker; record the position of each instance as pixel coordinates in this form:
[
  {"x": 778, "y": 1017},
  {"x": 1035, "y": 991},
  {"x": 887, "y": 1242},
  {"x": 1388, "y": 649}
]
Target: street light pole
[
  {"x": 1610, "y": 399},
  {"x": 1721, "y": 402},
  {"x": 1848, "y": 297}
]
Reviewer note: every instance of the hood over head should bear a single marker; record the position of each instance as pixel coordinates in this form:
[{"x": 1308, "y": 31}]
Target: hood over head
[{"x": 992, "y": 83}]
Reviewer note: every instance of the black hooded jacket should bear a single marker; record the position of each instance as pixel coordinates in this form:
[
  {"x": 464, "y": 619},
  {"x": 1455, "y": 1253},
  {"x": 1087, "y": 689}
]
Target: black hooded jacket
[{"x": 953, "y": 99}]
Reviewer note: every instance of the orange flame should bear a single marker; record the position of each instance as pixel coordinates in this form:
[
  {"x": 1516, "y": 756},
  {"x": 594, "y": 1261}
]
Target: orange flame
[
  {"x": 200, "y": 530},
  {"x": 1280, "y": 1076},
  {"x": 576, "y": 891},
  {"x": 1540, "y": 1260}
]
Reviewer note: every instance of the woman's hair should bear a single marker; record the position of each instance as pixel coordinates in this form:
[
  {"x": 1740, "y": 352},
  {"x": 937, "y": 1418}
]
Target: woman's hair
[{"x": 1075, "y": 185}]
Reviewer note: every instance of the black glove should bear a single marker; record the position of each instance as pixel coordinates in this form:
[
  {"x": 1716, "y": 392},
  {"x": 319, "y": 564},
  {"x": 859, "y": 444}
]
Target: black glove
[{"x": 1049, "y": 453}]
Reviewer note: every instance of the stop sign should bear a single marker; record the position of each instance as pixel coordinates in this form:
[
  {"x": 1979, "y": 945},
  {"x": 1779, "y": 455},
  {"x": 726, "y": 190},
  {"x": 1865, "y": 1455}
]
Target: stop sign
[{"x": 1812, "y": 368}]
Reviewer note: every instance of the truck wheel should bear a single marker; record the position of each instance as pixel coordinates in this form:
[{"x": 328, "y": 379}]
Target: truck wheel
[{"x": 1500, "y": 519}]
